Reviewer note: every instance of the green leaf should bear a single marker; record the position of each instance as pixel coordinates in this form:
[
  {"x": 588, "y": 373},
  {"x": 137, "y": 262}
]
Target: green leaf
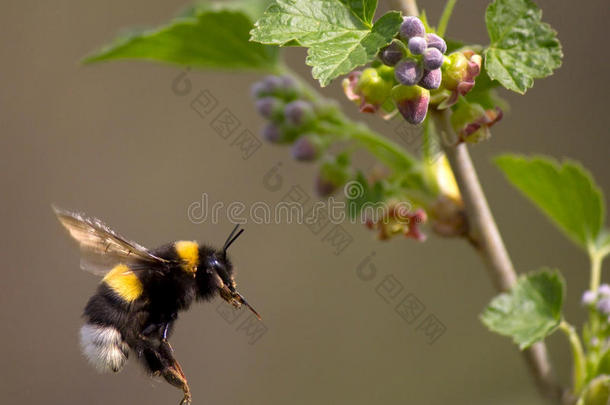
[
  {"x": 530, "y": 311},
  {"x": 522, "y": 48},
  {"x": 253, "y": 8},
  {"x": 339, "y": 34},
  {"x": 205, "y": 37},
  {"x": 566, "y": 193},
  {"x": 364, "y": 10}
]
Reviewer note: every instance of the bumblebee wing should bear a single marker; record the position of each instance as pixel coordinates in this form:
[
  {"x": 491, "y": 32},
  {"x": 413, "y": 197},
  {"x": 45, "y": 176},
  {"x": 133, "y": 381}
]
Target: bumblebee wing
[{"x": 102, "y": 248}]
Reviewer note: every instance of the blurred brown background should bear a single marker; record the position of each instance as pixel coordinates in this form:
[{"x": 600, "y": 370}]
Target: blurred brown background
[{"x": 114, "y": 141}]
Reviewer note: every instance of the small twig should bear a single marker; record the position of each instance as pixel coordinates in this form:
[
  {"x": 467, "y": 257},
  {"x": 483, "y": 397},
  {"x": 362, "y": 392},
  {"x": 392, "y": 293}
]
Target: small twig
[
  {"x": 408, "y": 6},
  {"x": 485, "y": 237}
]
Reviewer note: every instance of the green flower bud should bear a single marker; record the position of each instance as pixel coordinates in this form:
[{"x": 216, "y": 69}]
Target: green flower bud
[
  {"x": 454, "y": 70},
  {"x": 386, "y": 73},
  {"x": 373, "y": 86},
  {"x": 472, "y": 122},
  {"x": 597, "y": 391},
  {"x": 333, "y": 174},
  {"x": 459, "y": 72}
]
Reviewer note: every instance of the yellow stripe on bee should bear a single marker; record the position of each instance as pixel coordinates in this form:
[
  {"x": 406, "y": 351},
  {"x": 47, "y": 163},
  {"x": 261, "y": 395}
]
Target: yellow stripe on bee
[
  {"x": 188, "y": 252},
  {"x": 123, "y": 282}
]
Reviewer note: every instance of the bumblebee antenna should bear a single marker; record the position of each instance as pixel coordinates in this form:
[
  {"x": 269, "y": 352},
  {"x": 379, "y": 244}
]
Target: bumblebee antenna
[
  {"x": 232, "y": 237},
  {"x": 233, "y": 240}
]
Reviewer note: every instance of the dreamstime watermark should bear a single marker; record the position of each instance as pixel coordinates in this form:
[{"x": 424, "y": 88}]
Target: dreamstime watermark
[{"x": 261, "y": 212}]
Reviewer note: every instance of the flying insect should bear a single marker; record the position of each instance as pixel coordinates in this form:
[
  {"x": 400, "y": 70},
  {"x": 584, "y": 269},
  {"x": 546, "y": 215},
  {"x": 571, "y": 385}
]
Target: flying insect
[{"x": 141, "y": 293}]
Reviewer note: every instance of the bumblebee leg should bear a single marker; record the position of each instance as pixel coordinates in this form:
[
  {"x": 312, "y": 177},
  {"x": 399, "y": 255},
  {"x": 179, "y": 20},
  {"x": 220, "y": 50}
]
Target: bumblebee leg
[
  {"x": 173, "y": 373},
  {"x": 159, "y": 358},
  {"x": 173, "y": 376}
]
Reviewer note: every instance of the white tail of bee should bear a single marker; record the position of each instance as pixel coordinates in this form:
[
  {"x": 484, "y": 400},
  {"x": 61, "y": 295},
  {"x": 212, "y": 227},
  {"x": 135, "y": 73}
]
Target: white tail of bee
[{"x": 104, "y": 347}]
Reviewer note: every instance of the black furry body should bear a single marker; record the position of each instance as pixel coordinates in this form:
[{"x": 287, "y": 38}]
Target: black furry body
[{"x": 148, "y": 320}]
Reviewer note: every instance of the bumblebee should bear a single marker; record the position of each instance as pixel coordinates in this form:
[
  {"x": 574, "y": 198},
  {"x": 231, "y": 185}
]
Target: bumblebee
[{"x": 142, "y": 292}]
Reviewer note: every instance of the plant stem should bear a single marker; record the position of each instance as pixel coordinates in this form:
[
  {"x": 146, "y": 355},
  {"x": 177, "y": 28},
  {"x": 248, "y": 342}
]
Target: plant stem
[
  {"x": 408, "y": 6},
  {"x": 380, "y": 146},
  {"x": 482, "y": 227},
  {"x": 486, "y": 238},
  {"x": 596, "y": 270},
  {"x": 578, "y": 355},
  {"x": 445, "y": 17}
]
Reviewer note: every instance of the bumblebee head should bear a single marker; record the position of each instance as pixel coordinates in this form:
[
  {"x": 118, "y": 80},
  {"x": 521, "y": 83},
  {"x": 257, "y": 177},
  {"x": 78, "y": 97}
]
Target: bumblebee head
[{"x": 217, "y": 274}]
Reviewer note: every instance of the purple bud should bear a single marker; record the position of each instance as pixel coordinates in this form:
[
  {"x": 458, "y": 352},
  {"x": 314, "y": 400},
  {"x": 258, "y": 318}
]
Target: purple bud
[
  {"x": 324, "y": 187},
  {"x": 266, "y": 87},
  {"x": 431, "y": 79},
  {"x": 414, "y": 111},
  {"x": 289, "y": 88},
  {"x": 604, "y": 290},
  {"x": 588, "y": 297},
  {"x": 298, "y": 112},
  {"x": 408, "y": 72},
  {"x": 603, "y": 306},
  {"x": 272, "y": 83},
  {"x": 434, "y": 41},
  {"x": 266, "y": 106},
  {"x": 272, "y": 133},
  {"x": 412, "y": 27},
  {"x": 417, "y": 45},
  {"x": 412, "y": 102},
  {"x": 258, "y": 90},
  {"x": 433, "y": 59},
  {"x": 305, "y": 149},
  {"x": 288, "y": 82},
  {"x": 279, "y": 86},
  {"x": 391, "y": 54}
]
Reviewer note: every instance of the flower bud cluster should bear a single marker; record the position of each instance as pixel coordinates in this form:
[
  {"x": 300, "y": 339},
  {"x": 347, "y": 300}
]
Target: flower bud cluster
[
  {"x": 292, "y": 118},
  {"x": 600, "y": 299},
  {"x": 414, "y": 74},
  {"x": 310, "y": 125},
  {"x": 411, "y": 67}
]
